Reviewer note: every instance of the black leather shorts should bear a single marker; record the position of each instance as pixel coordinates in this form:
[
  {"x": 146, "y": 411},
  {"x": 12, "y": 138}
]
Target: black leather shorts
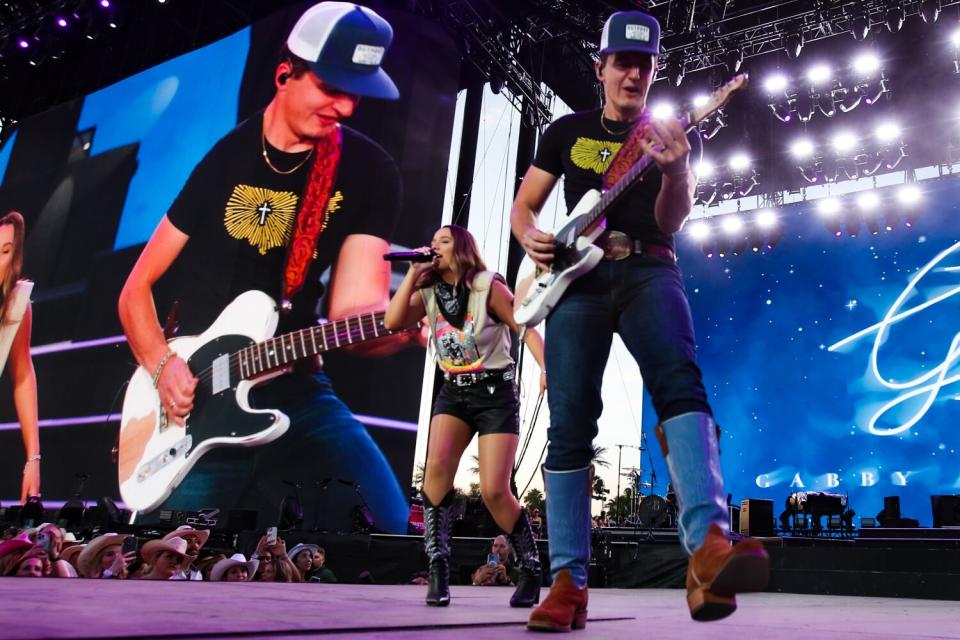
[{"x": 488, "y": 406}]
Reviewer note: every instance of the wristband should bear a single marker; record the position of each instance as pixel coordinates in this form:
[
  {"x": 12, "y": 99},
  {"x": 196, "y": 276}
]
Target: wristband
[{"x": 163, "y": 362}]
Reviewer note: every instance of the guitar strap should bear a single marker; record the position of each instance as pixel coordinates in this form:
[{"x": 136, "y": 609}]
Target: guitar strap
[
  {"x": 627, "y": 156},
  {"x": 312, "y": 219}
]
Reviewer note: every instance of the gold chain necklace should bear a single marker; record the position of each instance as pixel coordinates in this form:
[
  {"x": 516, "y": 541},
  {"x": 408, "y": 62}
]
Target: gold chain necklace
[
  {"x": 611, "y": 132},
  {"x": 263, "y": 146}
]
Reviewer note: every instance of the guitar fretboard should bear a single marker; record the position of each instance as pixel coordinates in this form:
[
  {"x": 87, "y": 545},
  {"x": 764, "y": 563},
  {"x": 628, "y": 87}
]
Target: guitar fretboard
[
  {"x": 612, "y": 194},
  {"x": 285, "y": 349}
]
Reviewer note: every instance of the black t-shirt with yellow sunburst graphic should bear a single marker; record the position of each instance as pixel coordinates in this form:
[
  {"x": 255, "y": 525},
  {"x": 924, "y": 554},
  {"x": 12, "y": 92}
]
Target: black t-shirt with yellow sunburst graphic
[
  {"x": 578, "y": 148},
  {"x": 240, "y": 215}
]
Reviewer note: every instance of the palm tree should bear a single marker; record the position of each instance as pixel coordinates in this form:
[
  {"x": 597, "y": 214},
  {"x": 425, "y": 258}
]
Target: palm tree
[
  {"x": 475, "y": 469},
  {"x": 598, "y": 453},
  {"x": 533, "y": 499}
]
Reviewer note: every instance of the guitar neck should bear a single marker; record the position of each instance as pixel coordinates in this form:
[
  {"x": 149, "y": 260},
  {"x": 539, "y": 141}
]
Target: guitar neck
[
  {"x": 288, "y": 348},
  {"x": 611, "y": 195}
]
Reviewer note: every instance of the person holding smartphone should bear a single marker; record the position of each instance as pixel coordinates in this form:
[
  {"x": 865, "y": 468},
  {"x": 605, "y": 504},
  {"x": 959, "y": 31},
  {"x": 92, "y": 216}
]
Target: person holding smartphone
[
  {"x": 49, "y": 537},
  {"x": 498, "y": 569}
]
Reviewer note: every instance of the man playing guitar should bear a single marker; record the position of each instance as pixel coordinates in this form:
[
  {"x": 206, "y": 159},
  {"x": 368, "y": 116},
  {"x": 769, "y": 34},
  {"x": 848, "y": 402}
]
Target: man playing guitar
[
  {"x": 636, "y": 291},
  {"x": 283, "y": 196}
]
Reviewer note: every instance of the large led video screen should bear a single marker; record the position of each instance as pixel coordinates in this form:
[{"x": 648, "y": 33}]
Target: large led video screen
[
  {"x": 831, "y": 361},
  {"x": 94, "y": 177}
]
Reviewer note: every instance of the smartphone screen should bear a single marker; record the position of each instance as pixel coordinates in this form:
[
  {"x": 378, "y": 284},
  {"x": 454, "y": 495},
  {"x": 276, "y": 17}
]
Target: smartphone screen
[
  {"x": 129, "y": 545},
  {"x": 272, "y": 535},
  {"x": 493, "y": 559}
]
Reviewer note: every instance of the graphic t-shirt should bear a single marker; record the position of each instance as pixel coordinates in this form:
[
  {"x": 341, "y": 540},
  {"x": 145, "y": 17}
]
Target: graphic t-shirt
[
  {"x": 579, "y": 149},
  {"x": 240, "y": 214}
]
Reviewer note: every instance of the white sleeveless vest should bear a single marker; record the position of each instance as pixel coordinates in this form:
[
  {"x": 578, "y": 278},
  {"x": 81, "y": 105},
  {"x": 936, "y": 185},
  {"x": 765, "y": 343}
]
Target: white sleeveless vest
[
  {"x": 19, "y": 299},
  {"x": 482, "y": 343}
]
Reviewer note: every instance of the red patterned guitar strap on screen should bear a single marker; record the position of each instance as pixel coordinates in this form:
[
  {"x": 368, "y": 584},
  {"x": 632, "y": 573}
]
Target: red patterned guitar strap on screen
[{"x": 312, "y": 218}]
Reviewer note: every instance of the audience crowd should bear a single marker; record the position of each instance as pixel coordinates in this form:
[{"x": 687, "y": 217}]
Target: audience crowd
[{"x": 49, "y": 551}]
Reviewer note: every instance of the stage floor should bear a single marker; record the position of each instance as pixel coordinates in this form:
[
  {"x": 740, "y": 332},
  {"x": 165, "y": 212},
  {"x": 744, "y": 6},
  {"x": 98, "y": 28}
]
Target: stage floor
[{"x": 50, "y": 608}]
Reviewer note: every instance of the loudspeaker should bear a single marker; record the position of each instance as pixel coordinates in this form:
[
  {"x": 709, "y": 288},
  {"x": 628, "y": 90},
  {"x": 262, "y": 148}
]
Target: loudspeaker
[
  {"x": 756, "y": 518},
  {"x": 946, "y": 511}
]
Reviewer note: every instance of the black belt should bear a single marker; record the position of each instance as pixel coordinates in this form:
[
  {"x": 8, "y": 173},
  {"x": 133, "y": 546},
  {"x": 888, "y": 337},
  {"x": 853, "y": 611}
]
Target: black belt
[
  {"x": 617, "y": 245},
  {"x": 467, "y": 379}
]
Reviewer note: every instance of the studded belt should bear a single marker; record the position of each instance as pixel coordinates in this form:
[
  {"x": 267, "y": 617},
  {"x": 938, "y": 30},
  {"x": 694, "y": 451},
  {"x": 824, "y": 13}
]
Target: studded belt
[{"x": 467, "y": 379}]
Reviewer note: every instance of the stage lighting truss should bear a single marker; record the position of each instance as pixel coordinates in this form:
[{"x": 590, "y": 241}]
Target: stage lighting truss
[
  {"x": 859, "y": 158},
  {"x": 840, "y": 93},
  {"x": 870, "y": 212},
  {"x": 757, "y": 231}
]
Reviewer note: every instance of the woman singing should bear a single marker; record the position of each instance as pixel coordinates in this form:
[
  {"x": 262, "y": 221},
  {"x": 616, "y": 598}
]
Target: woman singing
[
  {"x": 470, "y": 312},
  {"x": 17, "y": 318}
]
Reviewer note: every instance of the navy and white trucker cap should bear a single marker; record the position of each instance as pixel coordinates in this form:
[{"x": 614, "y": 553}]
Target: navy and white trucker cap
[
  {"x": 630, "y": 31},
  {"x": 344, "y": 45}
]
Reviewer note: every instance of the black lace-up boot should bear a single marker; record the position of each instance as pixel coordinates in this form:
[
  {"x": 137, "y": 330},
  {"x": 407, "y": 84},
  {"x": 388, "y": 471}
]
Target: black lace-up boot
[
  {"x": 527, "y": 593},
  {"x": 438, "y": 520}
]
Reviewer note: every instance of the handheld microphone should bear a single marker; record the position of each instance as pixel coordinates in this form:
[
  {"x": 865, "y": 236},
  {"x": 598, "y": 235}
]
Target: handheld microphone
[{"x": 412, "y": 256}]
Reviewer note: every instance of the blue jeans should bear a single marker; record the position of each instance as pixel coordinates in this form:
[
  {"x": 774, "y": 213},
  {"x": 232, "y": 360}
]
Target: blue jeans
[
  {"x": 324, "y": 440},
  {"x": 643, "y": 299}
]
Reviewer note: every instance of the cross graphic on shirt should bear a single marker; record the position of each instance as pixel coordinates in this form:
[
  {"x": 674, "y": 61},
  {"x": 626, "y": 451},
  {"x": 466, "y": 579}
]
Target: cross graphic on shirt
[
  {"x": 604, "y": 154},
  {"x": 264, "y": 209}
]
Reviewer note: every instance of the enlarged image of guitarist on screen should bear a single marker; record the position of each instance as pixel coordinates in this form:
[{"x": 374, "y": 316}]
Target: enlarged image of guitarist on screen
[{"x": 286, "y": 194}]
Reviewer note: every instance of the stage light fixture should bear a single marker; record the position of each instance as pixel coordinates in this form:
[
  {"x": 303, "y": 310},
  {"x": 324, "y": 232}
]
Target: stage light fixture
[
  {"x": 804, "y": 105},
  {"x": 700, "y": 100},
  {"x": 860, "y": 26},
  {"x": 61, "y": 22},
  {"x": 726, "y": 190},
  {"x": 930, "y": 10},
  {"x": 887, "y": 131},
  {"x": 828, "y": 207},
  {"x": 826, "y": 104},
  {"x": 865, "y": 64},
  {"x": 731, "y": 224},
  {"x": 776, "y": 83},
  {"x": 782, "y": 111},
  {"x": 739, "y": 162},
  {"x": 699, "y": 231},
  {"x": 818, "y": 74},
  {"x": 662, "y": 110},
  {"x": 908, "y": 195},
  {"x": 894, "y": 17},
  {"x": 765, "y": 219},
  {"x": 844, "y": 141},
  {"x": 105, "y": 4},
  {"x": 675, "y": 71},
  {"x": 23, "y": 43},
  {"x": 868, "y": 201},
  {"x": 802, "y": 148},
  {"x": 793, "y": 44},
  {"x": 705, "y": 169},
  {"x": 733, "y": 60}
]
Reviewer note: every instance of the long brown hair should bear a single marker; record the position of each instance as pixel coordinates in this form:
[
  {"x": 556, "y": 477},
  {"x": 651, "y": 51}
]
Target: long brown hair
[
  {"x": 466, "y": 257},
  {"x": 9, "y": 280}
]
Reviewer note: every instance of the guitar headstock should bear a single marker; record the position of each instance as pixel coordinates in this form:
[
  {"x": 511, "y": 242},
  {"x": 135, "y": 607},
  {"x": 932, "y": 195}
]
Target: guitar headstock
[{"x": 719, "y": 98}]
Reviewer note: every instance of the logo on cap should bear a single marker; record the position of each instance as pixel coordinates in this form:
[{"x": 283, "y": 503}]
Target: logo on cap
[
  {"x": 368, "y": 54},
  {"x": 639, "y": 32}
]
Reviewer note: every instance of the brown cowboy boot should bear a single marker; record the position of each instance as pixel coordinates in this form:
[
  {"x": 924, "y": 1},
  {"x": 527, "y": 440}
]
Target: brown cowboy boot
[
  {"x": 717, "y": 571},
  {"x": 564, "y": 608}
]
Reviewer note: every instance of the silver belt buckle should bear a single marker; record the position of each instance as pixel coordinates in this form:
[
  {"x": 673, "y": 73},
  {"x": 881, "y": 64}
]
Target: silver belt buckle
[
  {"x": 463, "y": 379},
  {"x": 617, "y": 245}
]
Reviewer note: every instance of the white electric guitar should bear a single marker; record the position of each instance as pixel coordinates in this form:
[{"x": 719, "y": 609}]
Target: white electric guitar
[
  {"x": 538, "y": 290},
  {"x": 232, "y": 356}
]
